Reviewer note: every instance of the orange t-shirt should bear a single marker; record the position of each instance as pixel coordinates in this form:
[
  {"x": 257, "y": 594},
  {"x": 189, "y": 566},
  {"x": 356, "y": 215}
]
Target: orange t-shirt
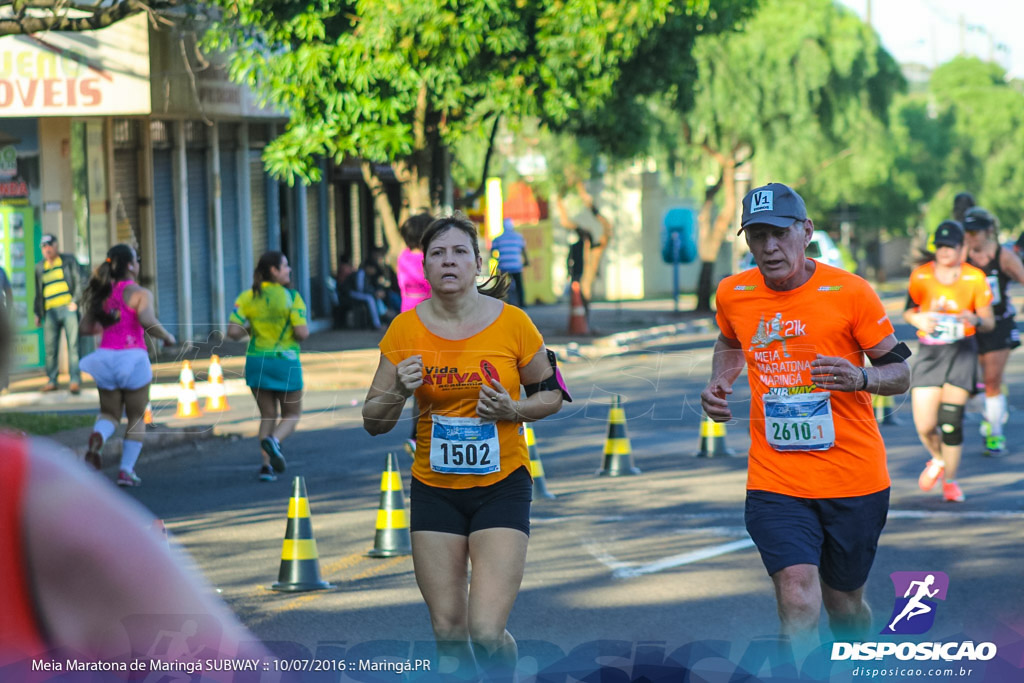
[
  {"x": 453, "y": 371},
  {"x": 969, "y": 292},
  {"x": 834, "y": 313}
]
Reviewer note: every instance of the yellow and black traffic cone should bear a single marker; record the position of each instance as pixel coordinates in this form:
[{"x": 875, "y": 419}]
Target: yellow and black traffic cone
[
  {"x": 712, "y": 439},
  {"x": 300, "y": 563},
  {"x": 618, "y": 458},
  {"x": 540, "y": 489},
  {"x": 392, "y": 537},
  {"x": 885, "y": 412}
]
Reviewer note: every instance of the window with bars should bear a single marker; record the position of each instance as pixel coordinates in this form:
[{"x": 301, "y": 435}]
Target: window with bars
[
  {"x": 126, "y": 133},
  {"x": 161, "y": 134}
]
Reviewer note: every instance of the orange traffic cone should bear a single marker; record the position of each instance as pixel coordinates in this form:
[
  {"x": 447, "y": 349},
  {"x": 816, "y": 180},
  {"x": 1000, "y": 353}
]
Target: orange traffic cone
[
  {"x": 540, "y": 489},
  {"x": 300, "y": 562},
  {"x": 712, "y": 439},
  {"x": 217, "y": 396},
  {"x": 618, "y": 458},
  {"x": 392, "y": 537},
  {"x": 147, "y": 417},
  {"x": 577, "y": 312},
  {"x": 188, "y": 402}
]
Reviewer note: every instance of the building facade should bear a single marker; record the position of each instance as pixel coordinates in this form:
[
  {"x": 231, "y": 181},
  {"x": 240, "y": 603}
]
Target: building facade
[{"x": 130, "y": 134}]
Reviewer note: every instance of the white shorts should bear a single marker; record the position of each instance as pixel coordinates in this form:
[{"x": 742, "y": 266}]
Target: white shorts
[{"x": 126, "y": 369}]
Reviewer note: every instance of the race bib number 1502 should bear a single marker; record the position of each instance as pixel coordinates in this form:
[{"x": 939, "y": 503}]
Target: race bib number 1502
[{"x": 464, "y": 445}]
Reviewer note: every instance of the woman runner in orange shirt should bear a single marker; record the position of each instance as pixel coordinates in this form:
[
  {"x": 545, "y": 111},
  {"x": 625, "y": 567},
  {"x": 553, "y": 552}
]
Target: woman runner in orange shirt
[
  {"x": 948, "y": 301},
  {"x": 465, "y": 354}
]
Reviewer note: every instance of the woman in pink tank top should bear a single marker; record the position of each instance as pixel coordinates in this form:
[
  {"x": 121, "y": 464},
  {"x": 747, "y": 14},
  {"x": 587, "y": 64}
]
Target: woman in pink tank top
[
  {"x": 116, "y": 306},
  {"x": 413, "y": 285}
]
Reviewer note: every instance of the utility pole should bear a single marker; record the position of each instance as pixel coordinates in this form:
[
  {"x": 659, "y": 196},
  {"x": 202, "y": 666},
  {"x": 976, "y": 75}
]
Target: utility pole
[{"x": 867, "y": 13}]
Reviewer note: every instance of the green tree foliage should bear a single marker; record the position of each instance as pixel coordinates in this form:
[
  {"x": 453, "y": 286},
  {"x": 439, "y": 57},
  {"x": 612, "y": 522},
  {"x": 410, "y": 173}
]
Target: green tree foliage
[
  {"x": 397, "y": 81},
  {"x": 984, "y": 128},
  {"x": 801, "y": 93}
]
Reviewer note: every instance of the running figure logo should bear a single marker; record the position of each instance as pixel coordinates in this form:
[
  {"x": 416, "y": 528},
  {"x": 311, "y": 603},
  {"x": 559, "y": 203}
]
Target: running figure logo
[
  {"x": 914, "y": 613},
  {"x": 773, "y": 331}
]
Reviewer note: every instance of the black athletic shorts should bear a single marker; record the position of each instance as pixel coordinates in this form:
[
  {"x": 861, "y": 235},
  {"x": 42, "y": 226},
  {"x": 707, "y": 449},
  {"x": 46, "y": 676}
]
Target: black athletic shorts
[
  {"x": 837, "y": 535},
  {"x": 505, "y": 504},
  {"x": 1005, "y": 336},
  {"x": 938, "y": 364}
]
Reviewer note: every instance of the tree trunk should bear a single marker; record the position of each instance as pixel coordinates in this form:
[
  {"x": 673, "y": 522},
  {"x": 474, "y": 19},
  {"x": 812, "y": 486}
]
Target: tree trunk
[
  {"x": 710, "y": 237},
  {"x": 382, "y": 204},
  {"x": 592, "y": 260},
  {"x": 704, "y": 287}
]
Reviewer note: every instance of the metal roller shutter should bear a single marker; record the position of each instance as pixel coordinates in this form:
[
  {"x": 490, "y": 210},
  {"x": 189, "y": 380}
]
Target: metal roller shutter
[
  {"x": 258, "y": 193},
  {"x": 233, "y": 281},
  {"x": 200, "y": 245},
  {"x": 165, "y": 230},
  {"x": 126, "y": 196},
  {"x": 313, "y": 238}
]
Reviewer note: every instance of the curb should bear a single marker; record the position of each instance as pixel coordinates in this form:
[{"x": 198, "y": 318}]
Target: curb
[
  {"x": 163, "y": 440},
  {"x": 160, "y": 442}
]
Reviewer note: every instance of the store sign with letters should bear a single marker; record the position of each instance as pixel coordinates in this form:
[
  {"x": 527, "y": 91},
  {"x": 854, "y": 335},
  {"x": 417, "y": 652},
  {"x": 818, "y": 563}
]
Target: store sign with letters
[{"x": 103, "y": 72}]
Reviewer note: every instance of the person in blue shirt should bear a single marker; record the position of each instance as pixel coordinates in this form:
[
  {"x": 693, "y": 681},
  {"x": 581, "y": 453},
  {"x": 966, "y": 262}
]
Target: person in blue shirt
[{"x": 510, "y": 249}]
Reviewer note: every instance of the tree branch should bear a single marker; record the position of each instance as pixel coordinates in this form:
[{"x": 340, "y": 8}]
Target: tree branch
[
  {"x": 52, "y": 15},
  {"x": 482, "y": 187},
  {"x": 825, "y": 164}
]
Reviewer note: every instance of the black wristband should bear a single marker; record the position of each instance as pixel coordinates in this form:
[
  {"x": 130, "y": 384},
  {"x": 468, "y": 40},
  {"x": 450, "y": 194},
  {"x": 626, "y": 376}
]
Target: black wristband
[
  {"x": 593, "y": 210},
  {"x": 864, "y": 374}
]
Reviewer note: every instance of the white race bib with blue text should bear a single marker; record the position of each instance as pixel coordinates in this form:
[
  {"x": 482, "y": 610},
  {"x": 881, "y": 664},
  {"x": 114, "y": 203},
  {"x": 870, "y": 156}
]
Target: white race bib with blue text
[
  {"x": 802, "y": 422},
  {"x": 464, "y": 445}
]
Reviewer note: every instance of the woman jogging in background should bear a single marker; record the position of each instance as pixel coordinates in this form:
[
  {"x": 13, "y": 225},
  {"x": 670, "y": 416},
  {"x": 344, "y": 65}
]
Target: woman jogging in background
[
  {"x": 274, "y": 318},
  {"x": 948, "y": 302},
  {"x": 1000, "y": 267},
  {"x": 123, "y": 311},
  {"x": 413, "y": 285},
  {"x": 465, "y": 353}
]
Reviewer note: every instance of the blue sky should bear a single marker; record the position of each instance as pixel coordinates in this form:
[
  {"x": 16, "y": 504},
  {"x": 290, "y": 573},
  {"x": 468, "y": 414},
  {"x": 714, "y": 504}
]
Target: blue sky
[{"x": 928, "y": 31}]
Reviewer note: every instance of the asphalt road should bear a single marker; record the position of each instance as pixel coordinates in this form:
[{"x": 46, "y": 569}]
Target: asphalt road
[{"x": 621, "y": 571}]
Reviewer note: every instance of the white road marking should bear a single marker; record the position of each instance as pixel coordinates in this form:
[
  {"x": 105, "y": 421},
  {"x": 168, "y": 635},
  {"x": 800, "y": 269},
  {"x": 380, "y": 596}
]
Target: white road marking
[
  {"x": 953, "y": 513},
  {"x": 629, "y": 570}
]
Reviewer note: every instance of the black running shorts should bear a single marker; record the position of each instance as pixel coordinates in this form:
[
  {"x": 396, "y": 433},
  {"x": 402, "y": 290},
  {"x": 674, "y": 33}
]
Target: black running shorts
[
  {"x": 938, "y": 364},
  {"x": 1005, "y": 336},
  {"x": 505, "y": 504}
]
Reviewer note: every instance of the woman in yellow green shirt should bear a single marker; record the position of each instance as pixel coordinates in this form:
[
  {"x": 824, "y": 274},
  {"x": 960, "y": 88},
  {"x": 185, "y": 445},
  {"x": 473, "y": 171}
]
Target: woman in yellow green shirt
[{"x": 274, "y": 318}]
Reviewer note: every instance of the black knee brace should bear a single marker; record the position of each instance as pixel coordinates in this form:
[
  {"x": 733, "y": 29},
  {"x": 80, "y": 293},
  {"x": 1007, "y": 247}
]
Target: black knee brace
[{"x": 951, "y": 423}]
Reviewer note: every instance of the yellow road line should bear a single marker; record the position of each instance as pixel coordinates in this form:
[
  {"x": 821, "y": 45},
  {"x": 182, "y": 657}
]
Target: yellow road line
[
  {"x": 381, "y": 567},
  {"x": 326, "y": 571}
]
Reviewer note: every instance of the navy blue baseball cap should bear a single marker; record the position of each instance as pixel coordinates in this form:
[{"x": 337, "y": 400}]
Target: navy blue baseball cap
[
  {"x": 949, "y": 234},
  {"x": 772, "y": 204}
]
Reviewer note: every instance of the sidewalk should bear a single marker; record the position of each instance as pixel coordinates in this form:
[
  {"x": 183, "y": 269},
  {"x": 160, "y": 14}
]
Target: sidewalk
[
  {"x": 343, "y": 361},
  {"x": 336, "y": 360}
]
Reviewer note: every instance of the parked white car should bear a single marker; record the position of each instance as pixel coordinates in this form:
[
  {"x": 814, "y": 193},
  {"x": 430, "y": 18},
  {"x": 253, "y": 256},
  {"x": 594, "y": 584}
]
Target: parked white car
[{"x": 821, "y": 248}]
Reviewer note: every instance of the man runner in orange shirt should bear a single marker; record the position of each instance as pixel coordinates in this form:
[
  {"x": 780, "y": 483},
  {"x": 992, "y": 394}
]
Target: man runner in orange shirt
[{"x": 817, "y": 482}]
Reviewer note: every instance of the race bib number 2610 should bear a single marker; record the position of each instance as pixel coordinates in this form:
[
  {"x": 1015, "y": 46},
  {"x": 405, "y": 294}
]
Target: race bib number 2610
[{"x": 799, "y": 423}]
